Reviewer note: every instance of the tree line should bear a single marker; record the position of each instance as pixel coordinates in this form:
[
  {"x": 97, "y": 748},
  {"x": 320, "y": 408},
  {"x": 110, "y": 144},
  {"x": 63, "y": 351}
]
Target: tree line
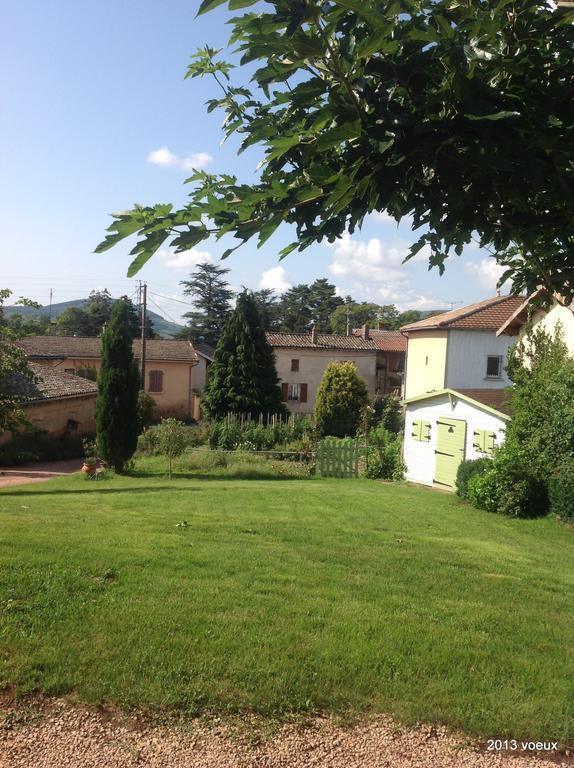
[{"x": 297, "y": 310}]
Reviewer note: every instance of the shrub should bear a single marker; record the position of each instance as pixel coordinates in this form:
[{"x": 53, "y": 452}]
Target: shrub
[
  {"x": 468, "y": 469},
  {"x": 385, "y": 455},
  {"x": 341, "y": 400},
  {"x": 481, "y": 487},
  {"x": 388, "y": 412},
  {"x": 36, "y": 445},
  {"x": 561, "y": 492},
  {"x": 231, "y": 433},
  {"x": 146, "y": 410},
  {"x": 148, "y": 443}
]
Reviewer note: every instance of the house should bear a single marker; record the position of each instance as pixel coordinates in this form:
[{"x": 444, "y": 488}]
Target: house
[
  {"x": 169, "y": 366},
  {"x": 205, "y": 354},
  {"x": 546, "y": 316},
  {"x": 391, "y": 355},
  {"x": 56, "y": 401},
  {"x": 460, "y": 349},
  {"x": 301, "y": 358},
  {"x": 446, "y": 427}
]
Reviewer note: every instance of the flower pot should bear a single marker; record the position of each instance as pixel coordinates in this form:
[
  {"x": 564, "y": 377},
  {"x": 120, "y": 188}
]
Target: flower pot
[{"x": 89, "y": 466}]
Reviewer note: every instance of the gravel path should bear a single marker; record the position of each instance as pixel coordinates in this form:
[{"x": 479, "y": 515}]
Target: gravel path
[
  {"x": 38, "y": 472},
  {"x": 62, "y": 737}
]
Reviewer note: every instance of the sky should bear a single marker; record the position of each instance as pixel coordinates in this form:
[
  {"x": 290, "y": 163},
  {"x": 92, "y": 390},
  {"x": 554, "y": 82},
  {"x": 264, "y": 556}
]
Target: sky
[{"x": 96, "y": 116}]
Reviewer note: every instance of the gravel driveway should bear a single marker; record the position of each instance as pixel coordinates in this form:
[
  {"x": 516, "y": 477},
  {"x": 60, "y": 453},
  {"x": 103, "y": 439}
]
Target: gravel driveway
[
  {"x": 38, "y": 472},
  {"x": 77, "y": 738}
]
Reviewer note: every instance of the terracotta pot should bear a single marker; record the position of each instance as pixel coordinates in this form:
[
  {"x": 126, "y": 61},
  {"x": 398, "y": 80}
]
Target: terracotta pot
[{"x": 89, "y": 466}]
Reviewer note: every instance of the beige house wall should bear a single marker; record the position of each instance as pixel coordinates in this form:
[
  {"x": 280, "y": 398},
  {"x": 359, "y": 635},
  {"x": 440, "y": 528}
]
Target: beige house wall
[
  {"x": 426, "y": 362},
  {"x": 53, "y": 416},
  {"x": 557, "y": 315},
  {"x": 174, "y": 400},
  {"x": 312, "y": 363}
]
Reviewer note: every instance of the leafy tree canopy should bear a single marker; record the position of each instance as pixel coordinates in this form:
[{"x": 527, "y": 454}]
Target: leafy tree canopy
[
  {"x": 90, "y": 319},
  {"x": 456, "y": 113},
  {"x": 13, "y": 363}
]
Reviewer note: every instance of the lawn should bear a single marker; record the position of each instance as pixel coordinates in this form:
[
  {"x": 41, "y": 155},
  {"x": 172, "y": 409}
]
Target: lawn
[{"x": 287, "y": 595}]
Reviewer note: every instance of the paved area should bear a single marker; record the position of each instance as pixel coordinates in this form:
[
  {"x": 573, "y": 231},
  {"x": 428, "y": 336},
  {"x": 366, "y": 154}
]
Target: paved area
[
  {"x": 63, "y": 737},
  {"x": 37, "y": 472}
]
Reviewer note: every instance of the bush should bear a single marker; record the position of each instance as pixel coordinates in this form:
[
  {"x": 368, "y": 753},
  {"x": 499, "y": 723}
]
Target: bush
[
  {"x": 146, "y": 410},
  {"x": 36, "y": 445},
  {"x": 506, "y": 489},
  {"x": 385, "y": 455},
  {"x": 481, "y": 487},
  {"x": 469, "y": 469},
  {"x": 341, "y": 400},
  {"x": 561, "y": 493},
  {"x": 148, "y": 443},
  {"x": 232, "y": 433},
  {"x": 389, "y": 413}
]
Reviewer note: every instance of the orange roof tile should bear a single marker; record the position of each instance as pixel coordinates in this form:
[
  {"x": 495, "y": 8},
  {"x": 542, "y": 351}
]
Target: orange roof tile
[{"x": 486, "y": 315}]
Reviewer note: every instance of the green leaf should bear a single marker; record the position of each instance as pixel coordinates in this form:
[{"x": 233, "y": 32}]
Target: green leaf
[
  {"x": 209, "y": 5},
  {"x": 495, "y": 116},
  {"x": 336, "y": 136},
  {"x": 362, "y": 11}
]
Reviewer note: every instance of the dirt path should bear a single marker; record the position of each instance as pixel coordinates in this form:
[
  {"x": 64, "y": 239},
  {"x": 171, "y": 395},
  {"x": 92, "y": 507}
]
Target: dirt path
[
  {"x": 77, "y": 738},
  {"x": 38, "y": 472}
]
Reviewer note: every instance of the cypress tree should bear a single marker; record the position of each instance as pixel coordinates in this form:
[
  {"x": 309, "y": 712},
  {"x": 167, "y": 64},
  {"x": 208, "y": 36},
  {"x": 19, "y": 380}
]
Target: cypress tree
[
  {"x": 242, "y": 377},
  {"x": 118, "y": 387}
]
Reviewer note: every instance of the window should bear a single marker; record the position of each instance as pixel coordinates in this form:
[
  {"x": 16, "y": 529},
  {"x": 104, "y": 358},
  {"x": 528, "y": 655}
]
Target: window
[
  {"x": 294, "y": 365},
  {"x": 293, "y": 392},
  {"x": 155, "y": 381},
  {"x": 494, "y": 366},
  {"x": 421, "y": 431},
  {"x": 484, "y": 441}
]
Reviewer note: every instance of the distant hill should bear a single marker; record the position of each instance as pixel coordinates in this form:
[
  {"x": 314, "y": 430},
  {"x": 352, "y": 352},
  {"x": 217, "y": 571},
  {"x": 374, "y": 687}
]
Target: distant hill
[{"x": 165, "y": 328}]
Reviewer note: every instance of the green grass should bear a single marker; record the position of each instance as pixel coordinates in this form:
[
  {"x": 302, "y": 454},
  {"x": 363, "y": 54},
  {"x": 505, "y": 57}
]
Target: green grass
[{"x": 287, "y": 595}]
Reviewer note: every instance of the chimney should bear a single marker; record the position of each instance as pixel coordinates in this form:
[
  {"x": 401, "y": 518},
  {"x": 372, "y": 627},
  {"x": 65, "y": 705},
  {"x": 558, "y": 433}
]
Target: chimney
[
  {"x": 365, "y": 331},
  {"x": 52, "y": 328},
  {"x": 313, "y": 334}
]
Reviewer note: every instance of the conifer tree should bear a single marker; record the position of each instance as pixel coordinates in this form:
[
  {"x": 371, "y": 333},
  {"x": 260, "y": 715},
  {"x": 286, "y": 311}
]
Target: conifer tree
[
  {"x": 117, "y": 423},
  {"x": 341, "y": 398},
  {"x": 210, "y": 296},
  {"x": 242, "y": 377}
]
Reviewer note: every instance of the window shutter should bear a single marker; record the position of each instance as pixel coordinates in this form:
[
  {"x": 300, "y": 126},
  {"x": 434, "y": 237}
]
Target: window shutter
[
  {"x": 416, "y": 429},
  {"x": 425, "y": 431},
  {"x": 284, "y": 391},
  {"x": 155, "y": 381},
  {"x": 478, "y": 440},
  {"x": 489, "y": 442},
  {"x": 303, "y": 393}
]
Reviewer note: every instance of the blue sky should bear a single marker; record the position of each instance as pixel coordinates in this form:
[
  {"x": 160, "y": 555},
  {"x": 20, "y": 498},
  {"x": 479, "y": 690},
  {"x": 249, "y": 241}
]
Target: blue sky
[{"x": 97, "y": 116}]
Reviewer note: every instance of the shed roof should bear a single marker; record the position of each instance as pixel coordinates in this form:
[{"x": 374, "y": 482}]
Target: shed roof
[
  {"x": 493, "y": 400},
  {"x": 49, "y": 384},
  {"x": 323, "y": 341},
  {"x": 486, "y": 315},
  {"x": 89, "y": 347}
]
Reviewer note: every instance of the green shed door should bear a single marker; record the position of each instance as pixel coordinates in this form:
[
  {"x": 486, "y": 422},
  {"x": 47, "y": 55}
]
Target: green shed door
[{"x": 451, "y": 439}]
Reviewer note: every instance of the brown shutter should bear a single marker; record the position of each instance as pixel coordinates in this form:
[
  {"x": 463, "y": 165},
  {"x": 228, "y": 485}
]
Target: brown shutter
[
  {"x": 303, "y": 393},
  {"x": 284, "y": 391}
]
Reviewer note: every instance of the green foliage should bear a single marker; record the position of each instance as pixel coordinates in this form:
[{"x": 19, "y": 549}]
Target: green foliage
[
  {"x": 437, "y": 110},
  {"x": 505, "y": 487},
  {"x": 467, "y": 470},
  {"x": 146, "y": 410},
  {"x": 232, "y": 434},
  {"x": 90, "y": 318},
  {"x": 359, "y": 314},
  {"x": 561, "y": 492},
  {"x": 211, "y": 299},
  {"x": 242, "y": 377},
  {"x": 303, "y": 306},
  {"x": 481, "y": 487},
  {"x": 117, "y": 418},
  {"x": 171, "y": 440},
  {"x": 385, "y": 455},
  {"x": 388, "y": 412},
  {"x": 13, "y": 366},
  {"x": 36, "y": 445},
  {"x": 341, "y": 399}
]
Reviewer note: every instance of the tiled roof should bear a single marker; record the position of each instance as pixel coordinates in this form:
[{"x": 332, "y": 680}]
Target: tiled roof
[
  {"x": 487, "y": 315},
  {"x": 205, "y": 350},
  {"x": 324, "y": 341},
  {"x": 51, "y": 384},
  {"x": 83, "y": 347},
  {"x": 495, "y": 398},
  {"x": 386, "y": 341}
]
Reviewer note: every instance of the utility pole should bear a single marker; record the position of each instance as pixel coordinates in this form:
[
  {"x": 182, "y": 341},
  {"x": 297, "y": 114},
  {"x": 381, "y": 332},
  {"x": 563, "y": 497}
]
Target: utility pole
[
  {"x": 348, "y": 313},
  {"x": 143, "y": 300},
  {"x": 50, "y": 310}
]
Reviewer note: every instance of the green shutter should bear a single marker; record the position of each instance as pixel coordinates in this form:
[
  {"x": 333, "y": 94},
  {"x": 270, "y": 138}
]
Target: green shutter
[
  {"x": 416, "y": 429},
  {"x": 484, "y": 441},
  {"x": 425, "y": 431},
  {"x": 478, "y": 440},
  {"x": 489, "y": 442}
]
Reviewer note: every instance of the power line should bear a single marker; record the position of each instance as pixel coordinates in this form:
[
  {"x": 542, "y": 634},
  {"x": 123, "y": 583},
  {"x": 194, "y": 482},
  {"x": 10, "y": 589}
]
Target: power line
[{"x": 169, "y": 298}]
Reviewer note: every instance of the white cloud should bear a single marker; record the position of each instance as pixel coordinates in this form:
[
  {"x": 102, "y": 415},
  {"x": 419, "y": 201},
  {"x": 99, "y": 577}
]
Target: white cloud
[
  {"x": 185, "y": 259},
  {"x": 275, "y": 279},
  {"x": 486, "y": 272},
  {"x": 386, "y": 218},
  {"x": 168, "y": 159},
  {"x": 374, "y": 260}
]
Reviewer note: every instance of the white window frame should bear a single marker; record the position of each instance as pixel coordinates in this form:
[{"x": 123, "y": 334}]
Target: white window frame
[{"x": 293, "y": 393}]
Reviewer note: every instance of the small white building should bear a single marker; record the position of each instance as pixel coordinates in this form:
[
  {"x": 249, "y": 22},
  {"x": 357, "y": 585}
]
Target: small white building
[{"x": 445, "y": 427}]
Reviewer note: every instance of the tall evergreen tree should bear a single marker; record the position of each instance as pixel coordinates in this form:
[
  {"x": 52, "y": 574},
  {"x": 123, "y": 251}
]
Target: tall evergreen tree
[
  {"x": 242, "y": 377},
  {"x": 211, "y": 297},
  {"x": 118, "y": 387},
  {"x": 324, "y": 301},
  {"x": 268, "y": 305}
]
